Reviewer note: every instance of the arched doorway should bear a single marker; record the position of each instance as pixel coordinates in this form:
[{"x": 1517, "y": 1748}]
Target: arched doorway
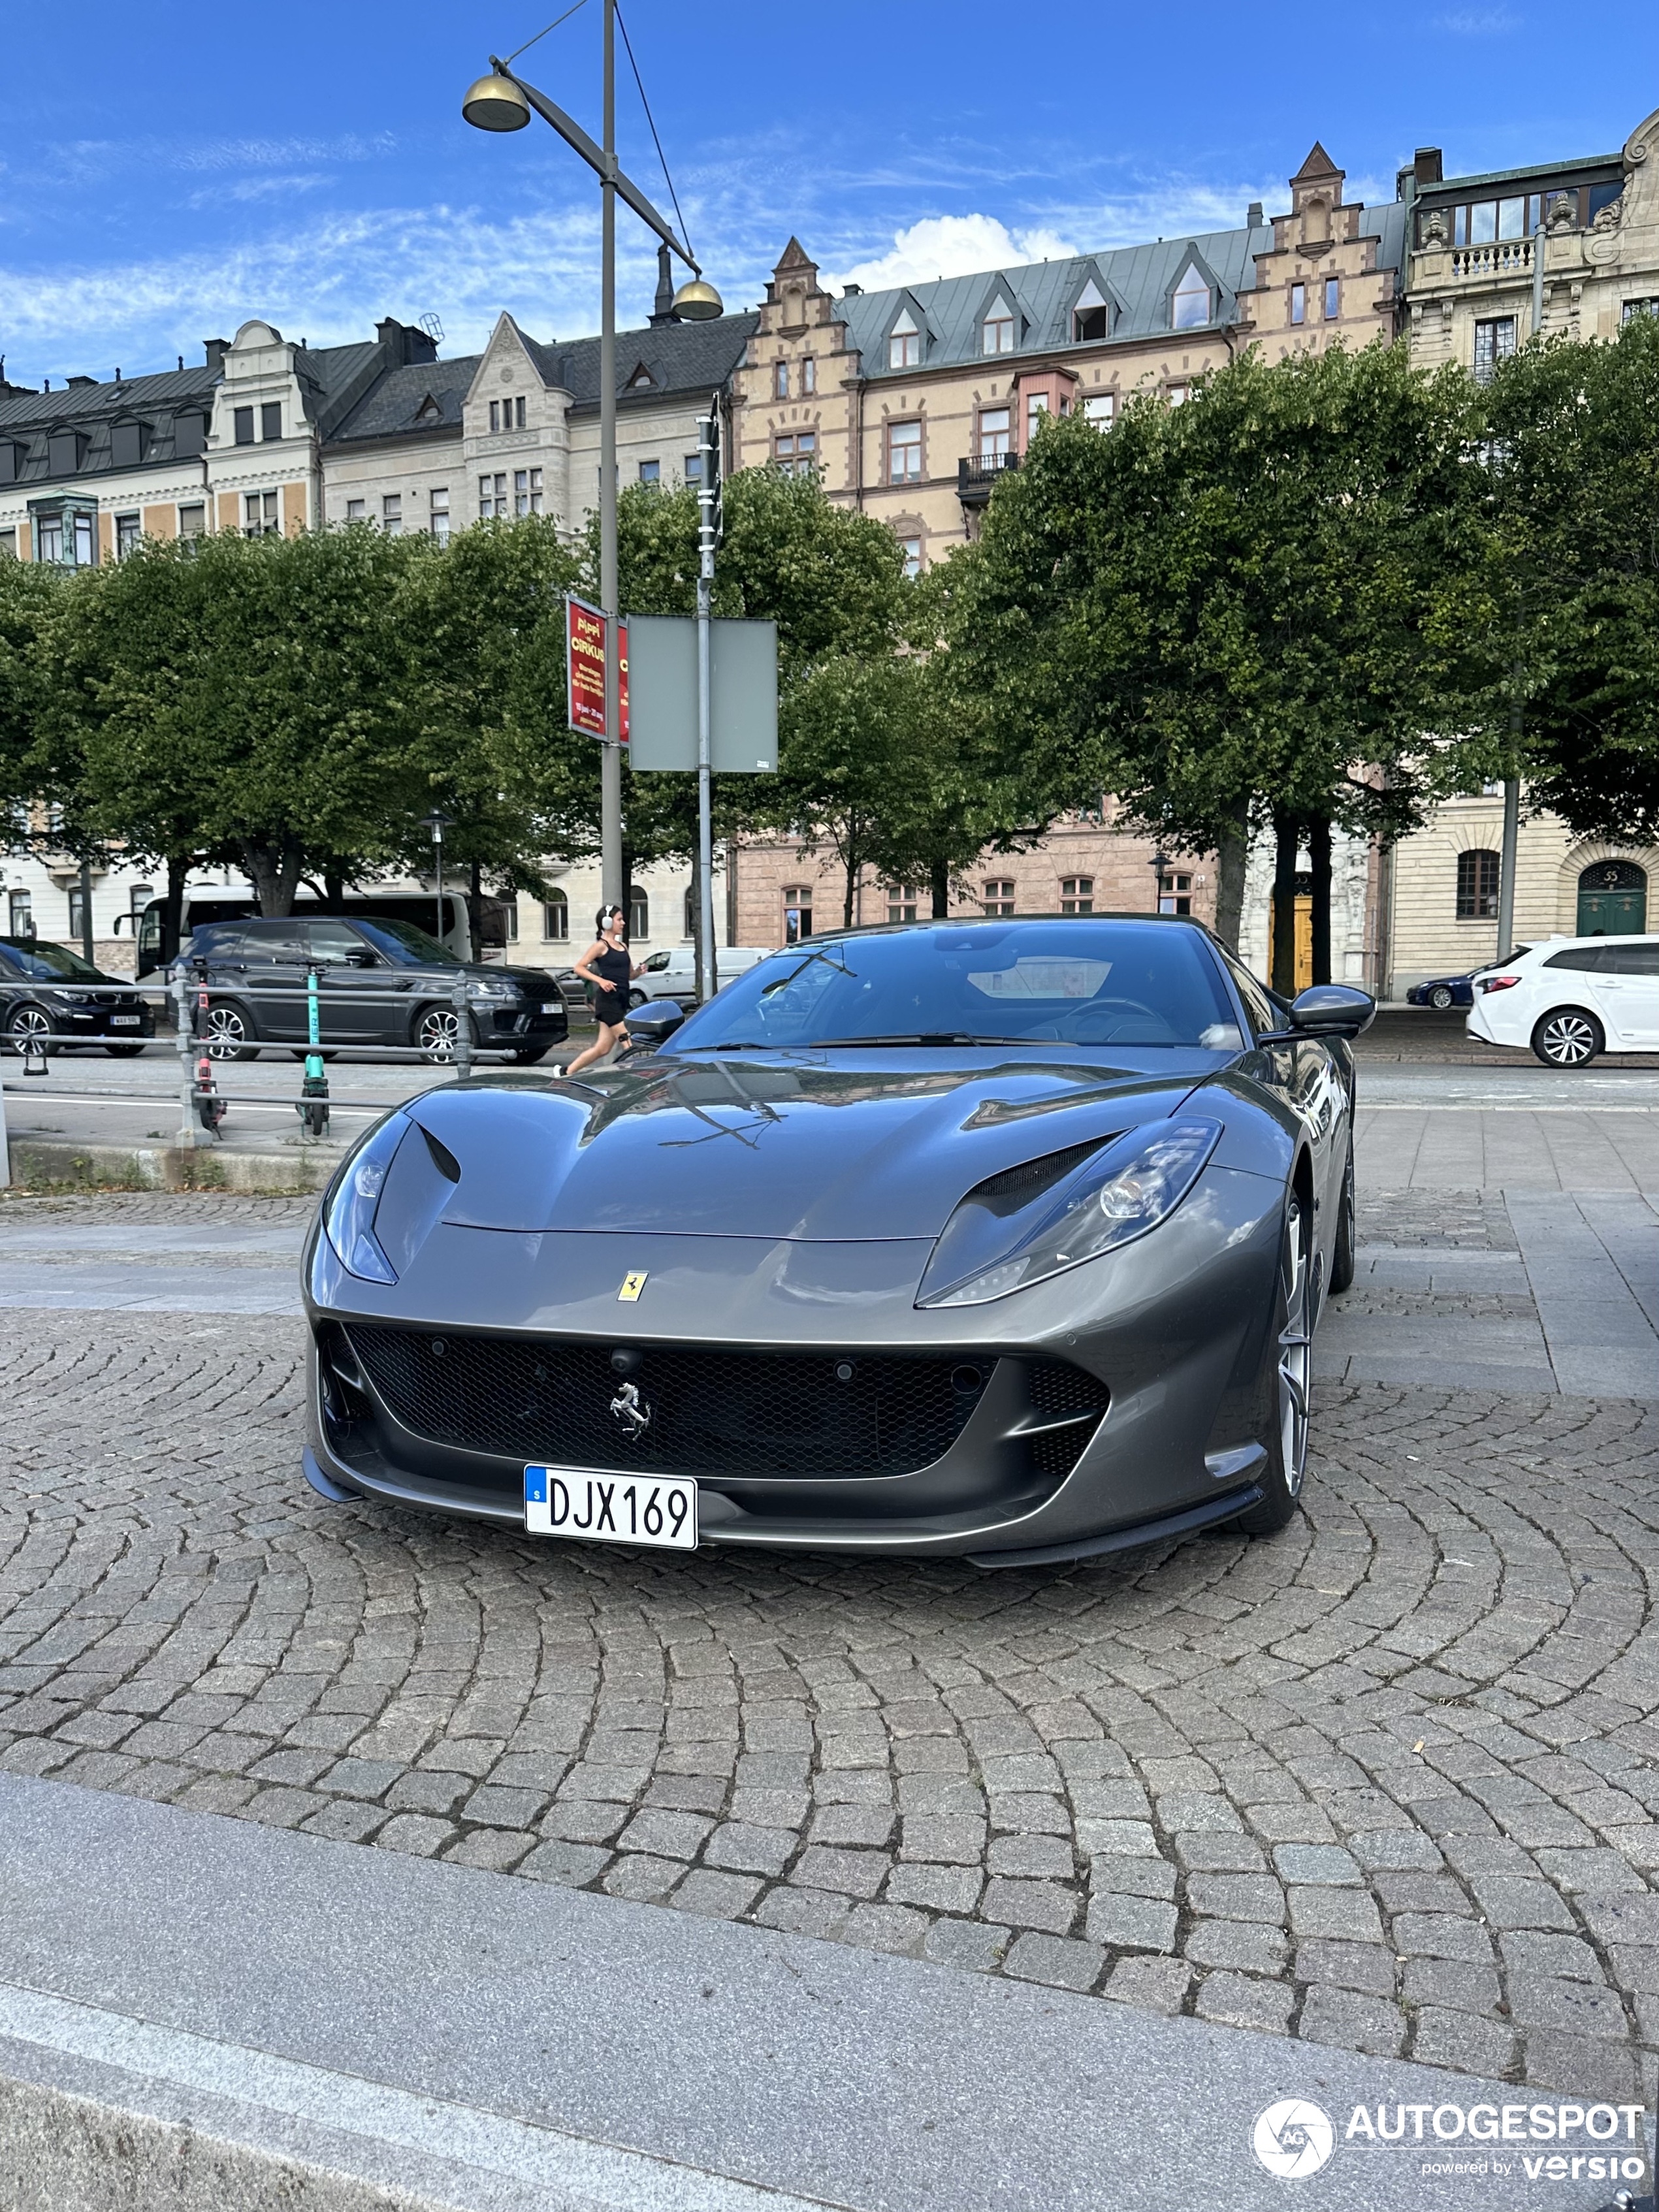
[{"x": 1613, "y": 900}]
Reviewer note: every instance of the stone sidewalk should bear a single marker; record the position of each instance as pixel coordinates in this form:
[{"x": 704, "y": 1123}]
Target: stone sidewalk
[{"x": 1389, "y": 1781}]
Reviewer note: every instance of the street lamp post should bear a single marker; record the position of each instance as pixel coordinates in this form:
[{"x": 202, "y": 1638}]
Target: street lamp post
[
  {"x": 437, "y": 821},
  {"x": 502, "y": 102},
  {"x": 1159, "y": 862}
]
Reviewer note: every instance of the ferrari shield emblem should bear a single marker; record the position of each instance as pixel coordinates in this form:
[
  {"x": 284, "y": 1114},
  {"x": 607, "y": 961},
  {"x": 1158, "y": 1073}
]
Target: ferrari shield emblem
[{"x": 632, "y": 1286}]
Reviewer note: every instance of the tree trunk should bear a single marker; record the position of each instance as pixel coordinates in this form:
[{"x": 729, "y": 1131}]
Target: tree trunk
[
  {"x": 173, "y": 908},
  {"x": 334, "y": 884},
  {"x": 1232, "y": 851},
  {"x": 1318, "y": 857},
  {"x": 940, "y": 873},
  {"x": 1286, "y": 834},
  {"x": 854, "y": 856},
  {"x": 273, "y": 870}
]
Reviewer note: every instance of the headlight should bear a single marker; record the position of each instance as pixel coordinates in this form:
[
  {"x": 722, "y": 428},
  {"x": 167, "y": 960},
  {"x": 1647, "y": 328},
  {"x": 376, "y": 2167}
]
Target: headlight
[
  {"x": 349, "y": 1221},
  {"x": 486, "y": 987},
  {"x": 1117, "y": 1194}
]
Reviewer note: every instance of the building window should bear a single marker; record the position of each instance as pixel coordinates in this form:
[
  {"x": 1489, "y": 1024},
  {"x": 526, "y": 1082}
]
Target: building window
[
  {"x": 1176, "y": 395},
  {"x": 440, "y": 524},
  {"x": 77, "y": 913},
  {"x": 1332, "y": 298},
  {"x": 1089, "y": 314},
  {"x": 526, "y": 492},
  {"x": 904, "y": 453},
  {"x": 997, "y": 332},
  {"x": 49, "y": 539},
  {"x": 242, "y": 425},
  {"x": 1100, "y": 408},
  {"x": 392, "y": 514},
  {"x": 492, "y": 496},
  {"x": 780, "y": 380},
  {"x": 518, "y": 413},
  {"x": 1477, "y": 886},
  {"x": 639, "y": 914},
  {"x": 992, "y": 432},
  {"x": 507, "y": 413},
  {"x": 904, "y": 343},
  {"x": 650, "y": 472},
  {"x": 1190, "y": 310},
  {"x": 809, "y": 377},
  {"x": 693, "y": 467},
  {"x": 797, "y": 912},
  {"x": 510, "y": 919},
  {"x": 797, "y": 454},
  {"x": 259, "y": 518},
  {"x": 1299, "y": 303},
  {"x": 1494, "y": 341},
  {"x": 1077, "y": 895},
  {"x": 67, "y": 538},
  {"x": 1036, "y": 406},
  {"x": 356, "y": 510},
  {"x": 1634, "y": 308},
  {"x": 21, "y": 914},
  {"x": 8, "y": 545},
  {"x": 129, "y": 531},
  {"x": 556, "y": 918},
  {"x": 137, "y": 899},
  {"x": 1175, "y": 894},
  {"x": 192, "y": 521},
  {"x": 911, "y": 549},
  {"x": 271, "y": 419},
  {"x": 901, "y": 903},
  {"x": 999, "y": 896}
]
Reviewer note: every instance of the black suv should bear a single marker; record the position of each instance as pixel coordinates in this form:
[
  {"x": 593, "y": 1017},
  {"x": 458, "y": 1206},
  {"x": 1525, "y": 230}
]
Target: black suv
[
  {"x": 380, "y": 982},
  {"x": 46, "y": 990}
]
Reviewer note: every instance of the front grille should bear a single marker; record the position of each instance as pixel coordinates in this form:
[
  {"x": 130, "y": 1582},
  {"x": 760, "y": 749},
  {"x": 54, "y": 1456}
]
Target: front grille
[
  {"x": 759, "y": 1413},
  {"x": 1055, "y": 1452},
  {"x": 1059, "y": 1390}
]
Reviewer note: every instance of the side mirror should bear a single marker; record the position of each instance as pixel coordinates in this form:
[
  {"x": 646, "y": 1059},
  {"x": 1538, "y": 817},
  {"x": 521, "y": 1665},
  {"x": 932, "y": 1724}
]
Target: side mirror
[
  {"x": 657, "y": 1019},
  {"x": 360, "y": 956},
  {"x": 1332, "y": 1010}
]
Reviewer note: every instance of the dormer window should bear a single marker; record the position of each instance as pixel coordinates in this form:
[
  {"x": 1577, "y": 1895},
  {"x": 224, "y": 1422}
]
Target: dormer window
[
  {"x": 997, "y": 330},
  {"x": 1088, "y": 316},
  {"x": 904, "y": 343},
  {"x": 1189, "y": 307}
]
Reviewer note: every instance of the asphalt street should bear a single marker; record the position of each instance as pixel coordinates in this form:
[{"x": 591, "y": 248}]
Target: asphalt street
[{"x": 1381, "y": 1792}]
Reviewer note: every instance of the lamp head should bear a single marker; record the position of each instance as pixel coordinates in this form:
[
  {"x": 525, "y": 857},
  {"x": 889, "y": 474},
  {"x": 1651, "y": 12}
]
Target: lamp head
[
  {"x": 496, "y": 103},
  {"x": 697, "y": 301}
]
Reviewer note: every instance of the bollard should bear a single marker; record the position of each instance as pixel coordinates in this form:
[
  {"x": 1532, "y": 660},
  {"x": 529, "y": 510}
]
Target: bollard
[
  {"x": 209, "y": 1105},
  {"x": 186, "y": 1081},
  {"x": 313, "y": 1107},
  {"x": 463, "y": 1029}
]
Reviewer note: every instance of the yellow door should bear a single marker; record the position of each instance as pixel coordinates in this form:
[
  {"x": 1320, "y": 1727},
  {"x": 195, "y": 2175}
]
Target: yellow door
[{"x": 1303, "y": 938}]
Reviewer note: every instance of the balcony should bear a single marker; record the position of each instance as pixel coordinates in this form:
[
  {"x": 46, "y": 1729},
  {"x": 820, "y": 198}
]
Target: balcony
[
  {"x": 977, "y": 473},
  {"x": 1503, "y": 258}
]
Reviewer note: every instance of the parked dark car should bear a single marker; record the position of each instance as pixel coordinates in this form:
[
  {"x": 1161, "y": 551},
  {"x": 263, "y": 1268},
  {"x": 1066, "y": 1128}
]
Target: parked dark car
[
  {"x": 1443, "y": 991},
  {"x": 46, "y": 990},
  {"x": 381, "y": 982}
]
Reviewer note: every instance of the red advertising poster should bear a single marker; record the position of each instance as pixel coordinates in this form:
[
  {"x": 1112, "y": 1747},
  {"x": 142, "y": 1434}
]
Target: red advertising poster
[{"x": 584, "y": 658}]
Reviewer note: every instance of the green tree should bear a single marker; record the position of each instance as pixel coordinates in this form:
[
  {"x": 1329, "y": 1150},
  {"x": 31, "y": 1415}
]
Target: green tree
[{"x": 1224, "y": 612}]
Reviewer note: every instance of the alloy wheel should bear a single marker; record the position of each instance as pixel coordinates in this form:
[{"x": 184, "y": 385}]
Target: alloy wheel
[
  {"x": 1568, "y": 1040},
  {"x": 436, "y": 1031},
  {"x": 1440, "y": 997},
  {"x": 226, "y": 1036},
  {"x": 1295, "y": 1353},
  {"x": 30, "y": 1029}
]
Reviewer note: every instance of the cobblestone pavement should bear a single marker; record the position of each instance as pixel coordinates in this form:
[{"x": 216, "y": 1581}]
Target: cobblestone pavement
[{"x": 1388, "y": 1780}]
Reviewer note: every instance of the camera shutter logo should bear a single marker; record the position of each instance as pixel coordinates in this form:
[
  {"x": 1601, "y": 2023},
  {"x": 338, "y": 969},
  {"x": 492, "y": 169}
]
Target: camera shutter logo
[{"x": 1293, "y": 2138}]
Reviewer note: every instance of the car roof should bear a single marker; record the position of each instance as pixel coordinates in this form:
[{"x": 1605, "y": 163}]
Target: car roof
[{"x": 1000, "y": 921}]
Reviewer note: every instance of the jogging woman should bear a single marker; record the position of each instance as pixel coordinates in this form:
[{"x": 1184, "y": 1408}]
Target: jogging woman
[{"x": 605, "y": 964}]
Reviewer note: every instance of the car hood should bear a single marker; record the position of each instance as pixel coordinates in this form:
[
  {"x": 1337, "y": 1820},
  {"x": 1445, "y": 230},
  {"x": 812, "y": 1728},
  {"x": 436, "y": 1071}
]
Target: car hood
[{"x": 821, "y": 1148}]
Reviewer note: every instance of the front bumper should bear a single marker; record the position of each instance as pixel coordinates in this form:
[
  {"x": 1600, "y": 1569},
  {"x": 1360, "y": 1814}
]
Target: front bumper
[{"x": 1166, "y": 1341}]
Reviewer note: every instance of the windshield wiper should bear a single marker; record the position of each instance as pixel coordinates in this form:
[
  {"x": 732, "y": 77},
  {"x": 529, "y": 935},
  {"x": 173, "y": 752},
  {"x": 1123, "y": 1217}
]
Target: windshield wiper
[
  {"x": 801, "y": 968},
  {"x": 921, "y": 1037}
]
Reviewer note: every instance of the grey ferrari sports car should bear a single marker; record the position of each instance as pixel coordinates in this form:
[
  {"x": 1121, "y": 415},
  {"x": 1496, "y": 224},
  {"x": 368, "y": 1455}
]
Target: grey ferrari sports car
[{"x": 1003, "y": 1238}]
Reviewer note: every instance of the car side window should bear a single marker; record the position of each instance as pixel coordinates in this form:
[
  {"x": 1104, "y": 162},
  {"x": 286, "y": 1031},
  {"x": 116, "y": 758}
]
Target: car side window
[
  {"x": 331, "y": 942},
  {"x": 222, "y": 942},
  {"x": 1259, "y": 1004},
  {"x": 269, "y": 945},
  {"x": 657, "y": 962},
  {"x": 1632, "y": 959},
  {"x": 1587, "y": 959}
]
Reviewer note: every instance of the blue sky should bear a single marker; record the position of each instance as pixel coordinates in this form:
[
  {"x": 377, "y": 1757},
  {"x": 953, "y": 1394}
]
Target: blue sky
[{"x": 167, "y": 171}]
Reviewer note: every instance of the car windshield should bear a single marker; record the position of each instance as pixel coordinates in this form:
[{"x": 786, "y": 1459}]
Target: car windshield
[
  {"x": 1094, "y": 982},
  {"x": 48, "y": 963},
  {"x": 404, "y": 945}
]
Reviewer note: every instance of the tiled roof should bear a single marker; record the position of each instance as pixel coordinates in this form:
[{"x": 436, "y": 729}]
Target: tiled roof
[
  {"x": 1138, "y": 279},
  {"x": 88, "y": 403},
  {"x": 395, "y": 403}
]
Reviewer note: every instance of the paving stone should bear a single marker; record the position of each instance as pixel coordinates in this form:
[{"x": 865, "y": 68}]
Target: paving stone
[
  {"x": 1462, "y": 2040},
  {"x": 571, "y": 1865},
  {"x": 1356, "y": 2022},
  {"x": 887, "y": 1927},
  {"x": 413, "y": 1833},
  {"x": 1041, "y": 1856},
  {"x": 1510, "y": 1903},
  {"x": 1134, "y": 1877},
  {"x": 1140, "y": 1924},
  {"x": 1041, "y": 1904},
  {"x": 1455, "y": 1984},
  {"x": 718, "y": 1896},
  {"x": 1052, "y": 1959},
  {"x": 871, "y": 1825},
  {"x": 938, "y": 1888},
  {"x": 1583, "y": 2008},
  {"x": 1580, "y": 2066},
  {"x": 664, "y": 1834},
  {"x": 644, "y": 1877},
  {"x": 1567, "y": 1956},
  {"x": 1439, "y": 1936},
  {"x": 803, "y": 1912},
  {"x": 1314, "y": 1863},
  {"x": 579, "y": 1820},
  {"x": 1364, "y": 1966},
  {"x": 748, "y": 1850},
  {"x": 1242, "y": 2002},
  {"x": 947, "y": 1837},
  {"x": 1154, "y": 1984},
  {"x": 852, "y": 1874},
  {"x": 1236, "y": 1897},
  {"x": 498, "y": 1850},
  {"x": 971, "y": 1943},
  {"x": 1245, "y": 1944},
  {"x": 1211, "y": 1853},
  {"x": 503, "y": 1808},
  {"x": 1346, "y": 1914}
]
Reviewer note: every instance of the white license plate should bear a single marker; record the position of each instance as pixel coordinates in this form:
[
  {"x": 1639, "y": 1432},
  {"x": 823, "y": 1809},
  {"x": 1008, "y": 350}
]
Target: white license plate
[
  {"x": 551, "y": 1006},
  {"x": 124, "y": 1021},
  {"x": 612, "y": 1509}
]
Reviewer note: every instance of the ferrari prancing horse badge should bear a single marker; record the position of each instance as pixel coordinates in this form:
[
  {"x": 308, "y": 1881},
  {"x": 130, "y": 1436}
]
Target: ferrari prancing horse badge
[{"x": 632, "y": 1286}]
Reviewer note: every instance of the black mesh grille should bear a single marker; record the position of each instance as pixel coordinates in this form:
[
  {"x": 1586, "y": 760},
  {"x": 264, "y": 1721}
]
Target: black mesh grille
[
  {"x": 1055, "y": 1452},
  {"x": 1059, "y": 1388},
  {"x": 763, "y": 1413}
]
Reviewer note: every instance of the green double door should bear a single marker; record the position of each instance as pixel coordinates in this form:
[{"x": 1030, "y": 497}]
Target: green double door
[{"x": 1613, "y": 900}]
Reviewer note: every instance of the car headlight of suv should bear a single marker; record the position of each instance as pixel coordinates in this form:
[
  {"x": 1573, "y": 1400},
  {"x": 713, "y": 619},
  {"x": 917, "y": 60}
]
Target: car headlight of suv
[
  {"x": 487, "y": 987},
  {"x": 1117, "y": 1194},
  {"x": 349, "y": 1219}
]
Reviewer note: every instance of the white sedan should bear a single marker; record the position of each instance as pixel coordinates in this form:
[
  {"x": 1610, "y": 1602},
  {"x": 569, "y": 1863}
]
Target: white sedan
[{"x": 1572, "y": 997}]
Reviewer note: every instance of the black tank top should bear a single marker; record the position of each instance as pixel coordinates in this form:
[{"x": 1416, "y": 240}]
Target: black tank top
[{"x": 616, "y": 967}]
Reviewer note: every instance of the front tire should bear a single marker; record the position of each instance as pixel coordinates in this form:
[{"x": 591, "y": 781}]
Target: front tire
[
  {"x": 1440, "y": 998},
  {"x": 230, "y": 1034},
  {"x": 1291, "y": 1346},
  {"x": 28, "y": 1029},
  {"x": 635, "y": 999},
  {"x": 1568, "y": 1037},
  {"x": 1343, "y": 1261}
]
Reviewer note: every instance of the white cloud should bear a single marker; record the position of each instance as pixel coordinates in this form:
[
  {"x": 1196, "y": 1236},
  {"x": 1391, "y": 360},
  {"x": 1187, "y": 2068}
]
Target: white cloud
[{"x": 953, "y": 245}]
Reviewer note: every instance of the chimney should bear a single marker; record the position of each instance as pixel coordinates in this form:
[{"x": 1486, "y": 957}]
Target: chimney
[
  {"x": 215, "y": 349},
  {"x": 403, "y": 342},
  {"x": 664, "y": 311},
  {"x": 851, "y": 291},
  {"x": 1254, "y": 219},
  {"x": 1426, "y": 167}
]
